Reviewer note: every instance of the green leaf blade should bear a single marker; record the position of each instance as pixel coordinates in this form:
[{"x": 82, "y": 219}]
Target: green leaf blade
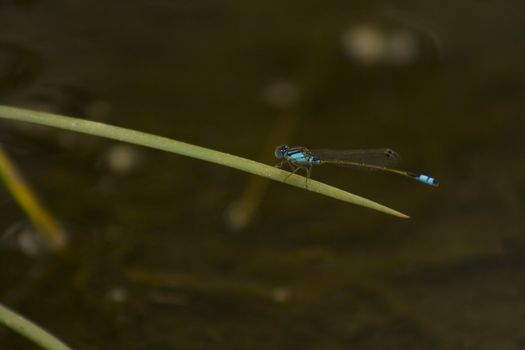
[{"x": 189, "y": 150}]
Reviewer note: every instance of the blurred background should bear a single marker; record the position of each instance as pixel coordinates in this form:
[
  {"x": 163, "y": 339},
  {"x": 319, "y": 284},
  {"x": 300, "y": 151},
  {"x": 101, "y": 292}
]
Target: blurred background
[{"x": 167, "y": 252}]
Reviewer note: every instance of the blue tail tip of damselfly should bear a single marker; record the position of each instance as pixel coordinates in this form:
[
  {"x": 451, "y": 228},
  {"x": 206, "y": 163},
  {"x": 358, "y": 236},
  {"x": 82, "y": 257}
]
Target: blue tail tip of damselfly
[{"x": 426, "y": 179}]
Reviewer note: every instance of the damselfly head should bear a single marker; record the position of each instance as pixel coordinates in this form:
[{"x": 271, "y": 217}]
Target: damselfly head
[{"x": 280, "y": 151}]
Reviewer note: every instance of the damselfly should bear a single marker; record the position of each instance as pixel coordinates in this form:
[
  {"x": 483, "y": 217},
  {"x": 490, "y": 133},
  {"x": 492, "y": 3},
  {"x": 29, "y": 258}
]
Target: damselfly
[{"x": 297, "y": 158}]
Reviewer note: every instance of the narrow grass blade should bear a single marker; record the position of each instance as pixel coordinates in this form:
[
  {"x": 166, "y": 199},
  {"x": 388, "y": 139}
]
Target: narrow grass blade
[
  {"x": 30, "y": 330},
  {"x": 189, "y": 150},
  {"x": 41, "y": 218}
]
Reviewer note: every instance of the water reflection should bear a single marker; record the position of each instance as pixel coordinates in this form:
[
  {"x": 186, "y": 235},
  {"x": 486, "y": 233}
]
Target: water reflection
[
  {"x": 19, "y": 67},
  {"x": 154, "y": 265}
]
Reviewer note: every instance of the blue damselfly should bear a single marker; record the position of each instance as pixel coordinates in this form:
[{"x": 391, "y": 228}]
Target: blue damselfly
[{"x": 297, "y": 158}]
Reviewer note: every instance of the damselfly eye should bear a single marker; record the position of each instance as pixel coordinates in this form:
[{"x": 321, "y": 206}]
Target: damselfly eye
[{"x": 280, "y": 151}]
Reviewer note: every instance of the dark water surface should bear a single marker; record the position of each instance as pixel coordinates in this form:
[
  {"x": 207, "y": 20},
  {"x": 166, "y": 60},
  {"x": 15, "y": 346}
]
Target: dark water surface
[{"x": 155, "y": 263}]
